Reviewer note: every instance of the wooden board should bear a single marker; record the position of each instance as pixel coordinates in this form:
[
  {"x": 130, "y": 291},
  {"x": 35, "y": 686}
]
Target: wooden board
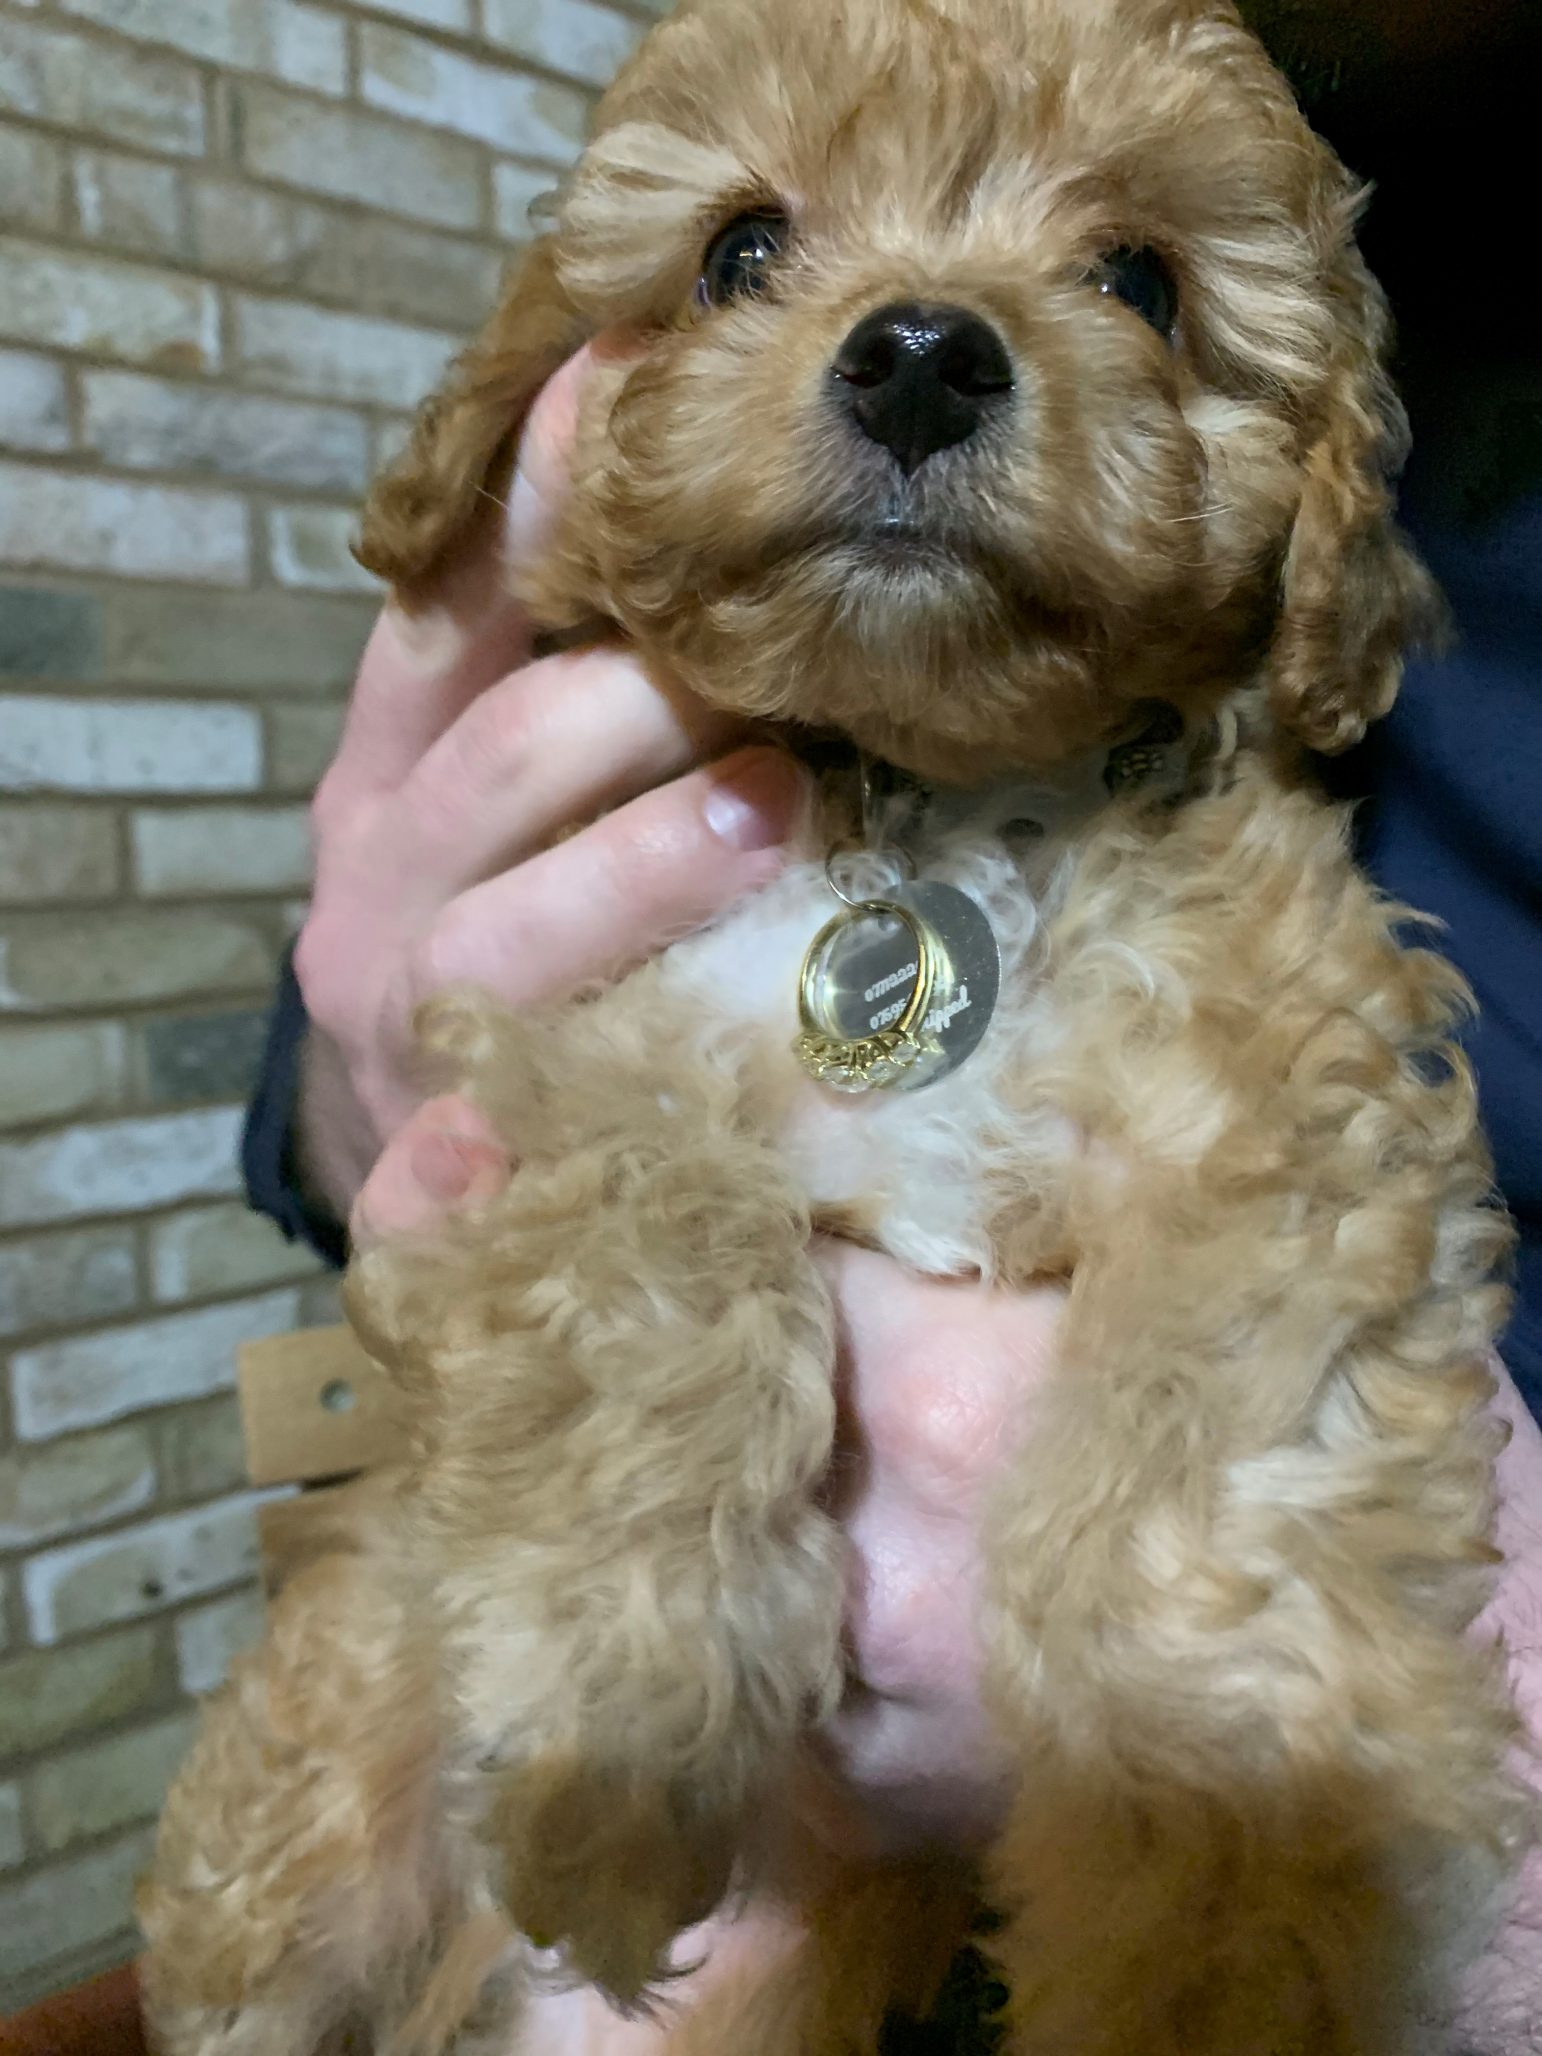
[{"x": 313, "y": 1405}]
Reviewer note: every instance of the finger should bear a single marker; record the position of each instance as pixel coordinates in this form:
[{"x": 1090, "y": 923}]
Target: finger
[
  {"x": 936, "y": 1382},
  {"x": 937, "y": 1375},
  {"x": 444, "y": 1155},
  {"x": 620, "y": 890},
  {"x": 420, "y": 671},
  {"x": 913, "y": 1596},
  {"x": 560, "y": 742},
  {"x": 920, "y": 1775},
  {"x": 1516, "y": 1606},
  {"x": 723, "y": 1962},
  {"x": 1500, "y": 1991},
  {"x": 546, "y": 449}
]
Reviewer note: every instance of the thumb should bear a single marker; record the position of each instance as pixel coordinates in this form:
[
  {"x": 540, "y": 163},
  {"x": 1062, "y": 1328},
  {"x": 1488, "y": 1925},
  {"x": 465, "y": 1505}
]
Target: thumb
[
  {"x": 444, "y": 1156},
  {"x": 473, "y": 629},
  {"x": 544, "y": 460}
]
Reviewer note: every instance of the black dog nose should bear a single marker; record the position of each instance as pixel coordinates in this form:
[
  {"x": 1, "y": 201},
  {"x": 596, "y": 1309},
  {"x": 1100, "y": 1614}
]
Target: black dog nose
[{"x": 919, "y": 379}]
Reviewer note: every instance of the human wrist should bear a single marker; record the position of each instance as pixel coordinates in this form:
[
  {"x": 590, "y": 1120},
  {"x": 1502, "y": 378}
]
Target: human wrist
[{"x": 334, "y": 1144}]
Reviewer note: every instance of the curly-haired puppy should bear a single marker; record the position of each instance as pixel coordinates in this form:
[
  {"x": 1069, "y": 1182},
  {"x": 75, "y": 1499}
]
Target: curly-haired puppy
[{"x": 1004, "y": 387}]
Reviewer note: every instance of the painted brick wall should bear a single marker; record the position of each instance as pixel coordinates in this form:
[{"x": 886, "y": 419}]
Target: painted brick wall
[{"x": 237, "y": 239}]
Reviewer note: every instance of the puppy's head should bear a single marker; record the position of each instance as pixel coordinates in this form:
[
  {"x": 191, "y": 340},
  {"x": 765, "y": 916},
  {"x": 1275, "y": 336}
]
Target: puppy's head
[{"x": 985, "y": 367}]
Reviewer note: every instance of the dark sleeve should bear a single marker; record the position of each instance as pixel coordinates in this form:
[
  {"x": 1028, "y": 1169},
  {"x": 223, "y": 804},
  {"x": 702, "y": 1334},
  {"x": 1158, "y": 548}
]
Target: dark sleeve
[{"x": 269, "y": 1161}]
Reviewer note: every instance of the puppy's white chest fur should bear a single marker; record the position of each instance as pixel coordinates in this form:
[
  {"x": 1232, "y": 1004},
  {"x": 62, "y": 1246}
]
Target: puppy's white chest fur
[{"x": 915, "y": 1166}]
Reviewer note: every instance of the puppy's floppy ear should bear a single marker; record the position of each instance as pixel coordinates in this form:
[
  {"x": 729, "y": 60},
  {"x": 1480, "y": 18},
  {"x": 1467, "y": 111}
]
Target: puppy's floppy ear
[
  {"x": 1354, "y": 596},
  {"x": 430, "y": 503}
]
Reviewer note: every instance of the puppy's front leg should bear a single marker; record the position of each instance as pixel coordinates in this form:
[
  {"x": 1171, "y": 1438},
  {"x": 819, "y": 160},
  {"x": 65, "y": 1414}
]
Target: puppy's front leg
[
  {"x": 1262, "y": 1779},
  {"x": 624, "y": 1369}
]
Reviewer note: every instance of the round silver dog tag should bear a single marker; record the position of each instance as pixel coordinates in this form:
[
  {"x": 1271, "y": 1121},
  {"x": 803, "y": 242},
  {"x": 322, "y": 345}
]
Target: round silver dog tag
[
  {"x": 863, "y": 980},
  {"x": 965, "y": 995}
]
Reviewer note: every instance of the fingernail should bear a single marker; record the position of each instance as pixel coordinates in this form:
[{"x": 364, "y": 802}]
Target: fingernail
[
  {"x": 450, "y": 1167},
  {"x": 754, "y": 799}
]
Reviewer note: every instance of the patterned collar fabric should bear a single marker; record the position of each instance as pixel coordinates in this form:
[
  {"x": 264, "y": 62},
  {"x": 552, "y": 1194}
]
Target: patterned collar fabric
[{"x": 1153, "y": 758}]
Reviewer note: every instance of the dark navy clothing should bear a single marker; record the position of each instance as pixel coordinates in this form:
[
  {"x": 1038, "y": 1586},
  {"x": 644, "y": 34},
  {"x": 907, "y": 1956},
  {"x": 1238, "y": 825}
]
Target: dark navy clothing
[{"x": 269, "y": 1162}]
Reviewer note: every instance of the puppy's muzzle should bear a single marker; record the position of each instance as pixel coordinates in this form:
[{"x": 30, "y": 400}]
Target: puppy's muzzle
[{"x": 917, "y": 379}]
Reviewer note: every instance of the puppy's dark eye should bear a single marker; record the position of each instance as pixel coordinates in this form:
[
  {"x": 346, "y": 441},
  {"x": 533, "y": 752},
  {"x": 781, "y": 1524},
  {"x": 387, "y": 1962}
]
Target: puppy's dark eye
[
  {"x": 740, "y": 260},
  {"x": 1143, "y": 281}
]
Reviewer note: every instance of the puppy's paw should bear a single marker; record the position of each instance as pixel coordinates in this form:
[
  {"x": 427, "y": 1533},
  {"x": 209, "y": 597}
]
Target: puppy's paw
[{"x": 607, "y": 1870}]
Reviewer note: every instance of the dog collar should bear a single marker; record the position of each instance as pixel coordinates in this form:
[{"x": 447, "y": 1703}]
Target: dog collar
[{"x": 1152, "y": 759}]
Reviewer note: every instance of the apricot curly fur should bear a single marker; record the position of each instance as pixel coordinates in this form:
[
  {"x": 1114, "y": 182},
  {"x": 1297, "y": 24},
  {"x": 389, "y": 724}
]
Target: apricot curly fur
[{"x": 553, "y": 1707}]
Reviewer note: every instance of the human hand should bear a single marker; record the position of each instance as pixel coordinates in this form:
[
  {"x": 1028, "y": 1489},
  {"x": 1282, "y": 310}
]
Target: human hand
[
  {"x": 1502, "y": 2014},
  {"x": 439, "y": 829}
]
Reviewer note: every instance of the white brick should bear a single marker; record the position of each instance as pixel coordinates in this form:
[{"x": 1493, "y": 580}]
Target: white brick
[
  {"x": 516, "y": 189},
  {"x": 57, "y": 1281},
  {"x": 74, "y": 1485},
  {"x": 309, "y": 547},
  {"x": 108, "y": 959},
  {"x": 138, "y": 422},
  {"x": 296, "y": 42},
  {"x": 134, "y": 1571},
  {"x": 357, "y": 156},
  {"x": 88, "y": 1379},
  {"x": 78, "y": 82},
  {"x": 66, "y": 1068},
  {"x": 55, "y": 1912},
  {"x": 109, "y": 1784},
  {"x": 221, "y": 1249},
  {"x": 57, "y": 853},
  {"x": 209, "y": 1638},
  {"x": 33, "y": 411},
  {"x": 128, "y": 202},
  {"x": 339, "y": 356},
  {"x": 127, "y": 746},
  {"x": 125, "y": 311},
  {"x": 62, "y": 522},
  {"x": 310, "y": 46},
  {"x": 114, "y": 1167},
  {"x": 222, "y": 850},
  {"x": 12, "y": 1843},
  {"x": 31, "y": 178},
  {"x": 573, "y": 36},
  {"x": 407, "y": 75}
]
